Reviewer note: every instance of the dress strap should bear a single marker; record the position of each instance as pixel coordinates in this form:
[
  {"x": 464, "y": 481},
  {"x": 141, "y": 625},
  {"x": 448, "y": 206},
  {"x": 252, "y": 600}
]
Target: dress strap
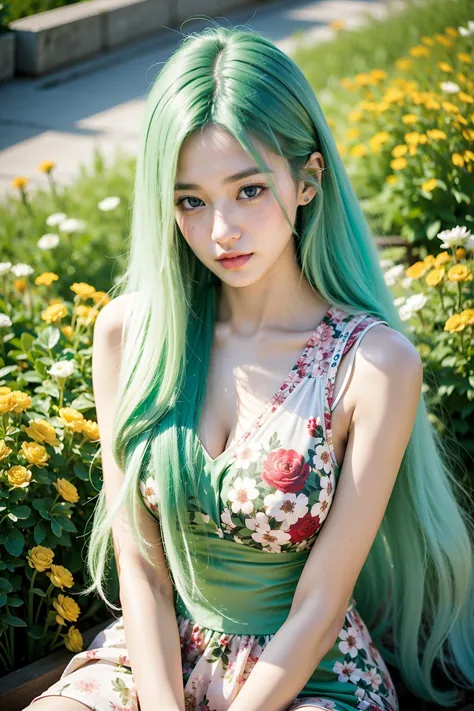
[{"x": 354, "y": 329}]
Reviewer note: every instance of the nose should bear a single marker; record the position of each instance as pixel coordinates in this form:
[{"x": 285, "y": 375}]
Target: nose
[{"x": 224, "y": 229}]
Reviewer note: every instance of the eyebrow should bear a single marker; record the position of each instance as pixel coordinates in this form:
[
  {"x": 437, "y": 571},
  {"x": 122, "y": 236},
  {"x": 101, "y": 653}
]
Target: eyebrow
[{"x": 231, "y": 179}]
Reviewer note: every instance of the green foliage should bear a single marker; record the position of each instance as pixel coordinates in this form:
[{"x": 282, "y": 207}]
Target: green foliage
[{"x": 24, "y": 8}]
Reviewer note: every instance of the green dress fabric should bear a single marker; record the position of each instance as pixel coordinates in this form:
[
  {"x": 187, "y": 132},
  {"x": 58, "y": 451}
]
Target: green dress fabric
[{"x": 260, "y": 508}]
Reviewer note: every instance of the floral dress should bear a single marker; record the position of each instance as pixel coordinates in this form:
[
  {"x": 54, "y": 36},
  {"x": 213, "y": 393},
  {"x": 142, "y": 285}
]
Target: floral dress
[{"x": 260, "y": 508}]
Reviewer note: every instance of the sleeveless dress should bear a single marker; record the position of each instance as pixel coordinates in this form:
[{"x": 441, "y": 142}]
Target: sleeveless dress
[{"x": 262, "y": 504}]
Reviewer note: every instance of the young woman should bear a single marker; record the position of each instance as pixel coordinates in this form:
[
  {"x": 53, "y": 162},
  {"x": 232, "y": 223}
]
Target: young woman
[{"x": 281, "y": 517}]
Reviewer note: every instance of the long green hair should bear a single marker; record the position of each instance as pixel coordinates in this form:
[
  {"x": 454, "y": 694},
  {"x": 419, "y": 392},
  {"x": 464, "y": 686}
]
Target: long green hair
[{"x": 415, "y": 591}]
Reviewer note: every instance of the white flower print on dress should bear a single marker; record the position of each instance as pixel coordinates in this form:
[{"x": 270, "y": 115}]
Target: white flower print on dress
[
  {"x": 322, "y": 458},
  {"x": 274, "y": 539},
  {"x": 286, "y": 507},
  {"x": 327, "y": 488},
  {"x": 226, "y": 519},
  {"x": 347, "y": 671},
  {"x": 148, "y": 489},
  {"x": 372, "y": 677},
  {"x": 258, "y": 523},
  {"x": 205, "y": 517},
  {"x": 242, "y": 493},
  {"x": 351, "y": 641},
  {"x": 246, "y": 455}
]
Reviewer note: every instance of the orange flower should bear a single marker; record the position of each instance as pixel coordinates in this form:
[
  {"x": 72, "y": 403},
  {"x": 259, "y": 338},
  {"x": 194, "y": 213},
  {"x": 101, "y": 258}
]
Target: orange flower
[{"x": 20, "y": 182}]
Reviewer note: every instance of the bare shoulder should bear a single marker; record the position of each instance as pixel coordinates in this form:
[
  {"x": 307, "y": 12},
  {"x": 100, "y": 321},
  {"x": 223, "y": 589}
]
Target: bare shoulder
[
  {"x": 112, "y": 316},
  {"x": 386, "y": 356}
]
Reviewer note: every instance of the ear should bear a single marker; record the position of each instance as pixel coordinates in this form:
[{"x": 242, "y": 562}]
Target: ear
[{"x": 315, "y": 166}]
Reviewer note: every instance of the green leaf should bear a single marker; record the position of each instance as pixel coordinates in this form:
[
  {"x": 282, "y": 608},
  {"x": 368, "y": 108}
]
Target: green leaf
[
  {"x": 3, "y": 599},
  {"x": 31, "y": 376},
  {"x": 433, "y": 229},
  {"x": 7, "y": 370},
  {"x": 68, "y": 525},
  {"x": 13, "y": 621},
  {"x": 15, "y": 542},
  {"x": 15, "y": 602},
  {"x": 36, "y": 632},
  {"x": 39, "y": 592},
  {"x": 5, "y": 585},
  {"x": 55, "y": 527},
  {"x": 39, "y": 532},
  {"x": 21, "y": 511},
  {"x": 50, "y": 336},
  {"x": 83, "y": 402},
  {"x": 27, "y": 341}
]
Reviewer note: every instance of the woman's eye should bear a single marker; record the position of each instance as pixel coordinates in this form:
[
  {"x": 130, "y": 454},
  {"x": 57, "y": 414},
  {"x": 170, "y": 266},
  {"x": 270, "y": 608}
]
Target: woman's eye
[{"x": 250, "y": 198}]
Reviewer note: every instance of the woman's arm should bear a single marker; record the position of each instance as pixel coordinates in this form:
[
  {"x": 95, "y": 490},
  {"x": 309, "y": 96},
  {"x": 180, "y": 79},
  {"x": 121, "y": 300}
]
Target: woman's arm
[
  {"x": 146, "y": 591},
  {"x": 382, "y": 421}
]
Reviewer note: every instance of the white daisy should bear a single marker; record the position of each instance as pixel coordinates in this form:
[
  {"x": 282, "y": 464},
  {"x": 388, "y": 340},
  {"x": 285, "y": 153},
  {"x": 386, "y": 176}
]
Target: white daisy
[
  {"x": 322, "y": 458},
  {"x": 286, "y": 507},
  {"x": 246, "y": 455},
  {"x": 22, "y": 270},
  {"x": 72, "y": 225},
  {"x": 242, "y": 493},
  {"x": 5, "y": 321},
  {"x": 108, "y": 204},
  {"x": 5, "y": 267},
  {"x": 49, "y": 241},
  {"x": 450, "y": 87},
  {"x": 351, "y": 641},
  {"x": 454, "y": 238},
  {"x": 392, "y": 274},
  {"x": 406, "y": 282},
  {"x": 55, "y": 219}
]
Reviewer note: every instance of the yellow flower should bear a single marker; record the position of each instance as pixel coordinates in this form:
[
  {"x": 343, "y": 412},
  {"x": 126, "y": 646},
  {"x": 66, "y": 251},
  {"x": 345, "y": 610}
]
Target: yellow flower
[
  {"x": 6, "y": 403},
  {"x": 20, "y": 285},
  {"x": 337, "y": 25},
  {"x": 445, "y": 67},
  {"x": 429, "y": 185},
  {"x": 359, "y": 150},
  {"x": 391, "y": 179},
  {"x": 82, "y": 289},
  {"x": 42, "y": 431},
  {"x": 463, "y": 57},
  {"x": 40, "y": 558},
  {"x": 20, "y": 401},
  {"x": 416, "y": 270},
  {"x": 429, "y": 260},
  {"x": 91, "y": 430},
  {"x": 68, "y": 331},
  {"x": 54, "y": 312},
  {"x": 67, "y": 609},
  {"x": 459, "y": 272},
  {"x": 73, "y": 419},
  {"x": 457, "y": 159},
  {"x": 468, "y": 316},
  {"x": 409, "y": 118},
  {"x": 452, "y": 31},
  {"x": 5, "y": 450},
  {"x": 428, "y": 41},
  {"x": 462, "y": 96},
  {"x": 398, "y": 163},
  {"x": 73, "y": 640},
  {"x": 4, "y": 389},
  {"x": 399, "y": 151},
  {"x": 436, "y": 134},
  {"x": 435, "y": 276},
  {"x": 455, "y": 323},
  {"x": 46, "y": 278},
  {"x": 443, "y": 40},
  {"x": 419, "y": 51},
  {"x": 46, "y": 166},
  {"x": 19, "y": 476},
  {"x": 35, "y": 453},
  {"x": 461, "y": 253},
  {"x": 403, "y": 63},
  {"x": 442, "y": 258},
  {"x": 102, "y": 298},
  {"x": 67, "y": 490},
  {"x": 19, "y": 182},
  {"x": 60, "y": 577}
]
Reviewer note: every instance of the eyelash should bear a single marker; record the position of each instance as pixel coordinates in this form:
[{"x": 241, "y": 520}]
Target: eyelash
[{"x": 192, "y": 209}]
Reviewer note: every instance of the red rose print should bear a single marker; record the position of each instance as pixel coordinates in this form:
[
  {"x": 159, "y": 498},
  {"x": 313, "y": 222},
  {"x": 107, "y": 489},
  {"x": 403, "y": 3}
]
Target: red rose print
[
  {"x": 313, "y": 424},
  {"x": 286, "y": 470},
  {"x": 304, "y": 528}
]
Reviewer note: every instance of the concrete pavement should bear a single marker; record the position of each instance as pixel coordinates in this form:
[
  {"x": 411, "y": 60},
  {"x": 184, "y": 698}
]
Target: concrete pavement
[{"x": 99, "y": 103}]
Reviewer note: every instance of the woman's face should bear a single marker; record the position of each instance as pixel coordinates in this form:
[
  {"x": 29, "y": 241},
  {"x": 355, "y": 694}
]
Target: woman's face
[{"x": 224, "y": 205}]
